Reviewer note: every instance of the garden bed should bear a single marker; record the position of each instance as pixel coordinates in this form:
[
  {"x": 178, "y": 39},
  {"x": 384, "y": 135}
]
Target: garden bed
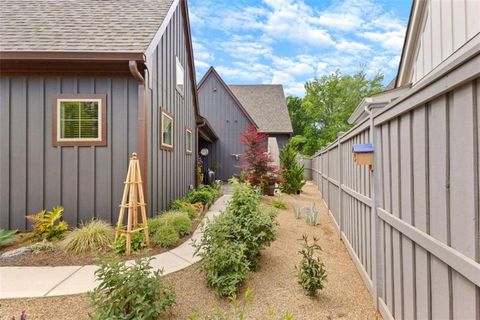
[
  {"x": 274, "y": 285},
  {"x": 62, "y": 258}
]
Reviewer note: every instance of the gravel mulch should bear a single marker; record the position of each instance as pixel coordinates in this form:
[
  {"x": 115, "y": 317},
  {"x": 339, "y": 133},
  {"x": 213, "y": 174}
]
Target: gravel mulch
[{"x": 274, "y": 284}]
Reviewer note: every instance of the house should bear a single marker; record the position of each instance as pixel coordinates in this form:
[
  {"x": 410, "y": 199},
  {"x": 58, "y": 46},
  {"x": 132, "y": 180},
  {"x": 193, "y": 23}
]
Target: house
[
  {"x": 83, "y": 85},
  {"x": 230, "y": 109}
]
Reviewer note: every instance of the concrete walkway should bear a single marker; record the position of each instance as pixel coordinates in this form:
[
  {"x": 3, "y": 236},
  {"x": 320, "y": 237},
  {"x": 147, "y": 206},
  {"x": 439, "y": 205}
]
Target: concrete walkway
[{"x": 26, "y": 282}]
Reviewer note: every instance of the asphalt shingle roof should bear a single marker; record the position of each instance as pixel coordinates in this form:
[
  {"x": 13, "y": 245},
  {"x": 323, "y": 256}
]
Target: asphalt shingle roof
[
  {"x": 266, "y": 105},
  {"x": 80, "y": 25}
]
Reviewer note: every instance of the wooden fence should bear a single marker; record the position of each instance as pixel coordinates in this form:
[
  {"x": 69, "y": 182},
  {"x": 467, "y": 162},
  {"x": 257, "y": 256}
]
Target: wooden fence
[{"x": 412, "y": 225}]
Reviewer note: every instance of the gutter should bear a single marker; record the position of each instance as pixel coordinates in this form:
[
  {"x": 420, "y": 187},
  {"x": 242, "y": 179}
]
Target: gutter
[{"x": 141, "y": 124}]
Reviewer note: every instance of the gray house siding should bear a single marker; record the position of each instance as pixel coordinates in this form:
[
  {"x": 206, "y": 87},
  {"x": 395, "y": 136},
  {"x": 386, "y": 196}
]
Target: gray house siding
[
  {"x": 282, "y": 139},
  {"x": 87, "y": 181},
  {"x": 171, "y": 172},
  {"x": 228, "y": 121}
]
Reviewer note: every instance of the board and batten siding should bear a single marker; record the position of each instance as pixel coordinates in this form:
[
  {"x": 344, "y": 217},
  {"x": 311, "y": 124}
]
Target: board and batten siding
[
  {"x": 228, "y": 121},
  {"x": 446, "y": 26},
  {"x": 412, "y": 226},
  {"x": 35, "y": 175},
  {"x": 172, "y": 173}
]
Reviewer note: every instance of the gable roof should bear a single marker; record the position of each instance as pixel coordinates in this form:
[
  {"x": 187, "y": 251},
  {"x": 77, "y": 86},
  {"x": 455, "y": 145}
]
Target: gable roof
[
  {"x": 266, "y": 104},
  {"x": 81, "y": 26}
]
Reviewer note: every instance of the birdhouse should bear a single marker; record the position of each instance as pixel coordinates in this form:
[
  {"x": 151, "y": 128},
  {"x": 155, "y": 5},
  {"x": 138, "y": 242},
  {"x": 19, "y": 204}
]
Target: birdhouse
[{"x": 363, "y": 154}]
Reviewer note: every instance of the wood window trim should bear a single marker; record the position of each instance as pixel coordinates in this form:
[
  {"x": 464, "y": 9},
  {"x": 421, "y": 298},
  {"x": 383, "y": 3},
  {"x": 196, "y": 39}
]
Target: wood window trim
[
  {"x": 103, "y": 123},
  {"x": 170, "y": 115},
  {"x": 189, "y": 152}
]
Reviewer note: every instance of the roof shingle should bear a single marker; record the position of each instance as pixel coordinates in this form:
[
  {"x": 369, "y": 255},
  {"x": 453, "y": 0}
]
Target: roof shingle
[
  {"x": 80, "y": 26},
  {"x": 266, "y": 105}
]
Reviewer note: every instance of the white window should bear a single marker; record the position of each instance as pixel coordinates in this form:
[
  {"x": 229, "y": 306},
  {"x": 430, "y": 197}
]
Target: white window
[
  {"x": 188, "y": 140},
  {"x": 180, "y": 77},
  {"x": 166, "y": 136},
  {"x": 79, "y": 120}
]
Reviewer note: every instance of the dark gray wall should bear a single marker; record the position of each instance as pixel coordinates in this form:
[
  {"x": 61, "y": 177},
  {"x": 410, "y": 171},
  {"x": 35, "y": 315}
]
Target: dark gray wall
[
  {"x": 87, "y": 181},
  {"x": 172, "y": 172},
  {"x": 228, "y": 121},
  {"x": 282, "y": 139}
]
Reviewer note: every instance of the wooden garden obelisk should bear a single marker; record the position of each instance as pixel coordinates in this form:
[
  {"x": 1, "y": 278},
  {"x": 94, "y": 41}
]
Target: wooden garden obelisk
[{"x": 132, "y": 200}]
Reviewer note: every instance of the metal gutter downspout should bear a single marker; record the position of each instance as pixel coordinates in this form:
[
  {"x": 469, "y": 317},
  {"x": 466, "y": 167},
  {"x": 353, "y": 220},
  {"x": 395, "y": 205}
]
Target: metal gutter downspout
[{"x": 141, "y": 124}]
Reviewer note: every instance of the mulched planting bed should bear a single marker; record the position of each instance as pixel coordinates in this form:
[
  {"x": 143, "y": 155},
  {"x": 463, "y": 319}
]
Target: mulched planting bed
[
  {"x": 274, "y": 285},
  {"x": 62, "y": 258}
]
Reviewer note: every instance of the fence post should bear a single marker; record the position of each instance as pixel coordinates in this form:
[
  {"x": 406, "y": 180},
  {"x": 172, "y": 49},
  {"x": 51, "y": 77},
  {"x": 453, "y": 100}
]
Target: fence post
[{"x": 377, "y": 243}]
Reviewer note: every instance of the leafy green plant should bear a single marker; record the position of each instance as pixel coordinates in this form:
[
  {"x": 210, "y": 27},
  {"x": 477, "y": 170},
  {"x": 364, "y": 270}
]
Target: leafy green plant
[
  {"x": 130, "y": 292},
  {"x": 238, "y": 310},
  {"x": 311, "y": 271},
  {"x": 138, "y": 242},
  {"x": 231, "y": 244},
  {"x": 166, "y": 236},
  {"x": 178, "y": 220},
  {"x": 95, "y": 235},
  {"x": 312, "y": 216},
  {"x": 279, "y": 204},
  {"x": 297, "y": 211},
  {"x": 204, "y": 196},
  {"x": 43, "y": 246},
  {"x": 6, "y": 236},
  {"x": 184, "y": 206},
  {"x": 47, "y": 224},
  {"x": 293, "y": 173}
]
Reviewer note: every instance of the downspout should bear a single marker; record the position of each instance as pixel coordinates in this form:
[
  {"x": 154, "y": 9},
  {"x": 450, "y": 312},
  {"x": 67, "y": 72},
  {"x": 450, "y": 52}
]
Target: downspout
[{"x": 141, "y": 124}]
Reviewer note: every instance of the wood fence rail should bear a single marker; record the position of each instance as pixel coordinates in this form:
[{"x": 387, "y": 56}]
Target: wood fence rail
[{"x": 412, "y": 225}]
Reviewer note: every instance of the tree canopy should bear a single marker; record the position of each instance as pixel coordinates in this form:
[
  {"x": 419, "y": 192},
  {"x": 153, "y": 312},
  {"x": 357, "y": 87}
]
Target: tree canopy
[{"x": 323, "y": 112}]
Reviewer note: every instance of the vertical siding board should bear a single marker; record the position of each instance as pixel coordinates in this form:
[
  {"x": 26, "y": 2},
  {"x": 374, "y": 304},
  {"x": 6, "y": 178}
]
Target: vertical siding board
[
  {"x": 472, "y": 22},
  {"x": 447, "y": 28},
  {"x": 438, "y": 212},
  {"x": 396, "y": 211},
  {"x": 462, "y": 197},
  {"x": 86, "y": 178},
  {"x": 406, "y": 186},
  {"x": 18, "y": 152},
  {"x": 5, "y": 146},
  {"x": 35, "y": 147},
  {"x": 103, "y": 168},
  {"x": 459, "y": 24},
  {"x": 436, "y": 32},
  {"x": 419, "y": 161}
]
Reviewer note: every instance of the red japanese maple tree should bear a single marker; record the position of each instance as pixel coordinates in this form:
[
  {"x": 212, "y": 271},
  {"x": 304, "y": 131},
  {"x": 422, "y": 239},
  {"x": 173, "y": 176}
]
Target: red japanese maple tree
[{"x": 257, "y": 166}]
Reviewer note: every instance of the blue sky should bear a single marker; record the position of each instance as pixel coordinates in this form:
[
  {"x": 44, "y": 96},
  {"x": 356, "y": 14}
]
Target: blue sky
[{"x": 293, "y": 41}]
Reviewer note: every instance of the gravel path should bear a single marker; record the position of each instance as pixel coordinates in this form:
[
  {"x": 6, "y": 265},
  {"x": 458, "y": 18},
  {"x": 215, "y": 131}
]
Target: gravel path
[{"x": 274, "y": 285}]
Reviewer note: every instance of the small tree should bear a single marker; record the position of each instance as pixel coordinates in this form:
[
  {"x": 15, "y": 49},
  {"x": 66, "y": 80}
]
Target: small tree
[
  {"x": 258, "y": 167},
  {"x": 293, "y": 175}
]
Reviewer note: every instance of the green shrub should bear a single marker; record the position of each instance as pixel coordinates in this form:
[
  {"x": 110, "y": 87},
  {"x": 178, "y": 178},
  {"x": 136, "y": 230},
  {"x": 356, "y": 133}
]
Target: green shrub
[
  {"x": 293, "y": 175},
  {"x": 130, "y": 292},
  {"x": 166, "y": 236},
  {"x": 311, "y": 272},
  {"x": 231, "y": 244},
  {"x": 137, "y": 244},
  {"x": 184, "y": 206},
  {"x": 95, "y": 235},
  {"x": 279, "y": 204},
  {"x": 42, "y": 246},
  {"x": 154, "y": 224},
  {"x": 47, "y": 224},
  {"x": 178, "y": 220},
  {"x": 238, "y": 310},
  {"x": 204, "y": 196},
  {"x": 6, "y": 236}
]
